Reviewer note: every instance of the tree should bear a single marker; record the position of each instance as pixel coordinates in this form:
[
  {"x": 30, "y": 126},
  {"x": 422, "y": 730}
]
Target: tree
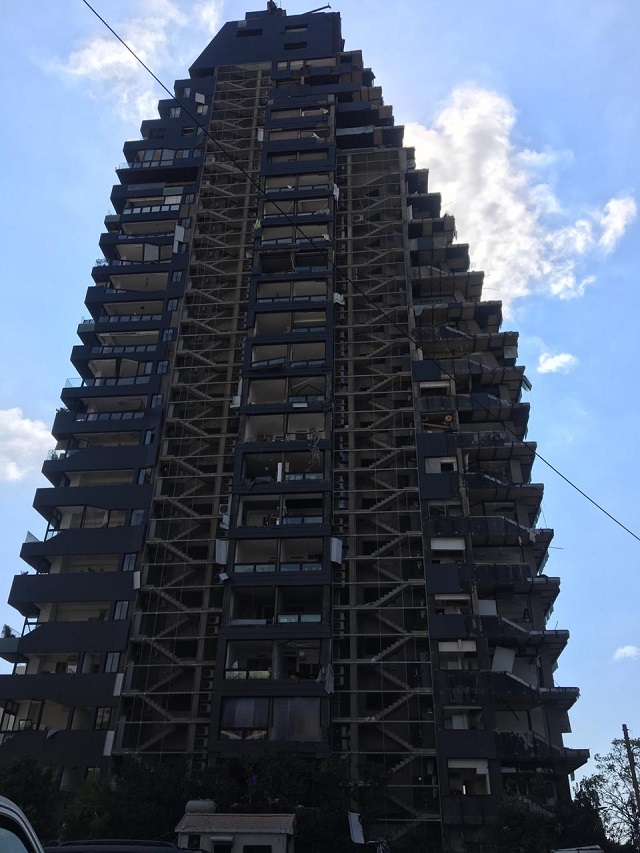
[
  {"x": 522, "y": 826},
  {"x": 139, "y": 801},
  {"x": 614, "y": 791},
  {"x": 31, "y": 787},
  {"x": 581, "y": 820}
]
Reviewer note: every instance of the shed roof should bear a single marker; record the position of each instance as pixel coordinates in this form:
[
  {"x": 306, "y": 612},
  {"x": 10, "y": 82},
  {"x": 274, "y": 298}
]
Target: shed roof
[{"x": 199, "y": 824}]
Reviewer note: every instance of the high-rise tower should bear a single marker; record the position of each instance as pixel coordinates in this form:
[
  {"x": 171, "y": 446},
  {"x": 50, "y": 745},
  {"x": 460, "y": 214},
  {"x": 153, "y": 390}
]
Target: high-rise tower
[{"x": 291, "y": 506}]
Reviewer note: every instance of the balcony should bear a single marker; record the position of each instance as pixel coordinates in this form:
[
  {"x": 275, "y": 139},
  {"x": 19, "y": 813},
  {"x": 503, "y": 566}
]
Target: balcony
[
  {"x": 55, "y": 637},
  {"x": 110, "y": 458},
  {"x": 515, "y": 577},
  {"x": 56, "y": 744},
  {"x": 467, "y": 686},
  {"x": 298, "y": 560},
  {"x": 261, "y": 568},
  {"x": 291, "y": 291},
  {"x": 68, "y": 689},
  {"x": 26, "y": 590},
  {"x": 103, "y": 498},
  {"x": 280, "y": 356},
  {"x": 289, "y": 323},
  {"x": 118, "y": 540},
  {"x": 517, "y": 747},
  {"x": 266, "y": 660}
]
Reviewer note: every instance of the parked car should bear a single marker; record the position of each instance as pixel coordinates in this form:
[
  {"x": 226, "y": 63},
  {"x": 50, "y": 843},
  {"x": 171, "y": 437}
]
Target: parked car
[{"x": 16, "y": 833}]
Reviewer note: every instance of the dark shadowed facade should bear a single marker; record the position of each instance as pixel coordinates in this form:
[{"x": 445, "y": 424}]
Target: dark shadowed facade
[{"x": 291, "y": 506}]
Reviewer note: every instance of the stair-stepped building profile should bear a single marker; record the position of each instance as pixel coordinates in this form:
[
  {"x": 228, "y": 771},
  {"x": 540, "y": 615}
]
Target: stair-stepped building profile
[{"x": 291, "y": 507}]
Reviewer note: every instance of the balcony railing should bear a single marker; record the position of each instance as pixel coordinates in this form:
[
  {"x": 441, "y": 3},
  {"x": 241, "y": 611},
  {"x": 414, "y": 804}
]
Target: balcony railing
[
  {"x": 107, "y": 416},
  {"x": 151, "y": 208},
  {"x": 298, "y": 618},
  {"x": 106, "y": 381},
  {"x": 288, "y": 189},
  {"x": 301, "y": 519},
  {"x": 257, "y": 568},
  {"x": 291, "y": 478},
  {"x": 122, "y": 350},
  {"x": 306, "y": 398},
  {"x": 125, "y": 318},
  {"x": 320, "y": 297}
]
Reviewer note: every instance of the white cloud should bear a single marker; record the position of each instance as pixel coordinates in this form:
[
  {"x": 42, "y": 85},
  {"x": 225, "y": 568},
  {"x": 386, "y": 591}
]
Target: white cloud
[
  {"x": 208, "y": 15},
  {"x": 619, "y": 213},
  {"x": 563, "y": 362},
  {"x": 23, "y": 444},
  {"x": 156, "y": 32},
  {"x": 503, "y": 207},
  {"x": 627, "y": 652}
]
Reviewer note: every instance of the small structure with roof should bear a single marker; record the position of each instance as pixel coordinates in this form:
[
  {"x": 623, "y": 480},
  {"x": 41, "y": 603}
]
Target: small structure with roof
[{"x": 202, "y": 828}]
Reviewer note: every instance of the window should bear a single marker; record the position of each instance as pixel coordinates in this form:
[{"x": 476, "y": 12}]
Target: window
[
  {"x": 296, "y": 720},
  {"x": 156, "y": 400},
  {"x": 189, "y": 198},
  {"x": 440, "y": 465},
  {"x": 163, "y": 366},
  {"x": 295, "y": 45},
  {"x": 176, "y": 276},
  {"x": 112, "y": 662},
  {"x": 468, "y": 776},
  {"x": 293, "y": 156},
  {"x": 172, "y": 304},
  {"x": 174, "y": 112},
  {"x": 296, "y": 28},
  {"x": 444, "y": 509},
  {"x": 186, "y": 92},
  {"x": 11, "y": 840},
  {"x": 257, "y": 848},
  {"x": 247, "y": 33},
  {"x": 137, "y": 517},
  {"x": 245, "y": 718},
  {"x": 149, "y": 436},
  {"x": 120, "y": 610},
  {"x": 168, "y": 334},
  {"x": 202, "y": 109},
  {"x": 103, "y": 718},
  {"x": 129, "y": 562}
]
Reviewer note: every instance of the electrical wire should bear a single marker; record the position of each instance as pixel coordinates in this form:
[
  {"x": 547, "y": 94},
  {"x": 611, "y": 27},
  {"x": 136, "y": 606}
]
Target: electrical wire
[{"x": 322, "y": 248}]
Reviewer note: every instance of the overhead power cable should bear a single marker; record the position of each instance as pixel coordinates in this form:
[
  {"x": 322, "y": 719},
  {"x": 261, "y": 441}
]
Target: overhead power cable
[{"x": 322, "y": 249}]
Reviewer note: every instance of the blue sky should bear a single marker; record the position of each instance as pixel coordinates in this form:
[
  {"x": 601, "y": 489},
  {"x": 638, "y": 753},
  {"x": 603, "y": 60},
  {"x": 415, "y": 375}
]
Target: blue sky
[{"x": 528, "y": 118}]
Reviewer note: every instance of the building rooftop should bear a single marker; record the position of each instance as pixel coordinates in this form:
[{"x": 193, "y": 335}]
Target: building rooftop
[{"x": 198, "y": 824}]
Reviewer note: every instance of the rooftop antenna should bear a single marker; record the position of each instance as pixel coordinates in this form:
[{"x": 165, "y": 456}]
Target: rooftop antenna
[{"x": 319, "y": 9}]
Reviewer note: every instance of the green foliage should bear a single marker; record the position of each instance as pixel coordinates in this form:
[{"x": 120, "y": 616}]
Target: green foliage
[
  {"x": 581, "y": 824},
  {"x": 89, "y": 814},
  {"x": 612, "y": 786},
  {"x": 30, "y": 786},
  {"x": 139, "y": 802},
  {"x": 524, "y": 827},
  {"x": 142, "y": 802}
]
